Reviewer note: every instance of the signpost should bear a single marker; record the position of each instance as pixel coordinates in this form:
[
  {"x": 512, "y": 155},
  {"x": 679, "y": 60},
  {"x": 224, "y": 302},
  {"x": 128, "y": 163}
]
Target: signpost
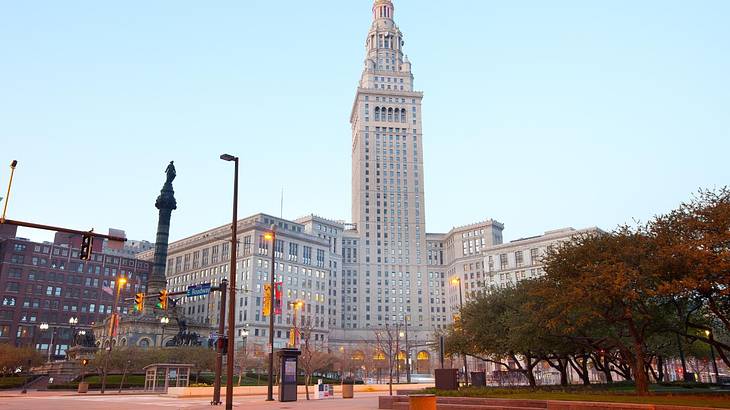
[{"x": 198, "y": 290}]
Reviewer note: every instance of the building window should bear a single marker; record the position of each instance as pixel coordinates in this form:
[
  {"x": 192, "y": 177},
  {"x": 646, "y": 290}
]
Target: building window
[
  {"x": 503, "y": 261},
  {"x": 534, "y": 256}
]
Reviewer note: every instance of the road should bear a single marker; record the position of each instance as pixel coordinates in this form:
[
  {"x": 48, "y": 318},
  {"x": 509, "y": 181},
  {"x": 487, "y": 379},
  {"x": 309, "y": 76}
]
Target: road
[{"x": 61, "y": 401}]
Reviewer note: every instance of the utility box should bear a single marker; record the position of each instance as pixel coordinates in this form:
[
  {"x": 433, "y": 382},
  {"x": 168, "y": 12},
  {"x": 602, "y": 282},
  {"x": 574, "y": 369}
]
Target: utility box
[
  {"x": 478, "y": 379},
  {"x": 447, "y": 379},
  {"x": 288, "y": 370}
]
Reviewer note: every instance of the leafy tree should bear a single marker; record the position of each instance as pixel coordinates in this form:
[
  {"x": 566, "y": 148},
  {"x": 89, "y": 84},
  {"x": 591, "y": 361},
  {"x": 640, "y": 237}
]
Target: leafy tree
[
  {"x": 493, "y": 329},
  {"x": 694, "y": 266},
  {"x": 609, "y": 278}
]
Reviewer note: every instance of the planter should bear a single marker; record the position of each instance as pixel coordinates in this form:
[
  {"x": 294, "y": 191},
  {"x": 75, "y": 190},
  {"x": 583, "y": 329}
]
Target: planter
[{"x": 83, "y": 387}]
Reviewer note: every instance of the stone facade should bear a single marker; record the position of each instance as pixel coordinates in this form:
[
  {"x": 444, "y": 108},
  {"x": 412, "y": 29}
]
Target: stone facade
[
  {"x": 306, "y": 262},
  {"x": 48, "y": 283}
]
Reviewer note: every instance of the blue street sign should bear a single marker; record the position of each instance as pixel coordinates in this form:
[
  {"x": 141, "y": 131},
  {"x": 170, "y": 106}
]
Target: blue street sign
[{"x": 199, "y": 290}]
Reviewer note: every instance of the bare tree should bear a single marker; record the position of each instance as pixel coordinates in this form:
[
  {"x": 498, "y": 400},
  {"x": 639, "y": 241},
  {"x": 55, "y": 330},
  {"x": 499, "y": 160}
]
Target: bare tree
[
  {"x": 313, "y": 358},
  {"x": 244, "y": 359},
  {"x": 386, "y": 341}
]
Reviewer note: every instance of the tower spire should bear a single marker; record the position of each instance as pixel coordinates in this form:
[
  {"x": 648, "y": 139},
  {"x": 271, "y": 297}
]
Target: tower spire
[{"x": 383, "y": 9}]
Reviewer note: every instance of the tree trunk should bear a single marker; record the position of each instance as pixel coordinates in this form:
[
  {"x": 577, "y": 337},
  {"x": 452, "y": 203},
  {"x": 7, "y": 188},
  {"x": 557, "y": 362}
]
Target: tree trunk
[
  {"x": 650, "y": 372},
  {"x": 642, "y": 382},
  {"x": 581, "y": 368},
  {"x": 584, "y": 373},
  {"x": 561, "y": 366},
  {"x": 660, "y": 367},
  {"x": 563, "y": 375},
  {"x": 530, "y": 376},
  {"x": 607, "y": 370},
  {"x": 307, "y": 378}
]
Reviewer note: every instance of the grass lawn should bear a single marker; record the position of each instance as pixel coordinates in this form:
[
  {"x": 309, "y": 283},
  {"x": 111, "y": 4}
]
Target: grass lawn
[{"x": 669, "y": 395}]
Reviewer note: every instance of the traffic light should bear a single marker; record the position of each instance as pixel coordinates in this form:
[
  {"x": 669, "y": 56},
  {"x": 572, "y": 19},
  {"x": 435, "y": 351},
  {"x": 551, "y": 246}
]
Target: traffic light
[
  {"x": 139, "y": 302},
  {"x": 84, "y": 362},
  {"x": 86, "y": 243},
  {"x": 162, "y": 297},
  {"x": 223, "y": 345}
]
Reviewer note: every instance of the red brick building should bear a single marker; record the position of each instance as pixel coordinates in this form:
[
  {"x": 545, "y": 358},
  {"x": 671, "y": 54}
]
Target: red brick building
[{"x": 48, "y": 283}]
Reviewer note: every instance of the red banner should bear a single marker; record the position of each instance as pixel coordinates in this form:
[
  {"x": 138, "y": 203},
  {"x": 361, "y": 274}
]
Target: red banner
[{"x": 278, "y": 290}]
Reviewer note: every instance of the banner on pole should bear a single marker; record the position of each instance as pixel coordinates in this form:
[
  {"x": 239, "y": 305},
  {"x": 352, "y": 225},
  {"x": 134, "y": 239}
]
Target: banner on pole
[{"x": 267, "y": 299}]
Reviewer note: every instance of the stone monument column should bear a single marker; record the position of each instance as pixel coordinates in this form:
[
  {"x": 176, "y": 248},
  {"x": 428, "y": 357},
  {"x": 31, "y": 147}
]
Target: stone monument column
[{"x": 165, "y": 203}]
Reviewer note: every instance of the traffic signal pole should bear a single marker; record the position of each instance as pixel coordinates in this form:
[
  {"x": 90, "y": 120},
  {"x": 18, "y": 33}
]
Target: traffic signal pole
[
  {"x": 219, "y": 347},
  {"x": 7, "y": 196}
]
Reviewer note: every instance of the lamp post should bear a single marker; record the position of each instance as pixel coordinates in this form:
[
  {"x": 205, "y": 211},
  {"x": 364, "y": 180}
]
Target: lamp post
[
  {"x": 457, "y": 281},
  {"x": 73, "y": 321},
  {"x": 398, "y": 335},
  {"x": 163, "y": 321},
  {"x": 408, "y": 350},
  {"x": 296, "y": 305},
  {"x": 244, "y": 336},
  {"x": 271, "y": 235},
  {"x": 232, "y": 284},
  {"x": 112, "y": 328},
  {"x": 708, "y": 333},
  {"x": 44, "y": 326},
  {"x": 219, "y": 346}
]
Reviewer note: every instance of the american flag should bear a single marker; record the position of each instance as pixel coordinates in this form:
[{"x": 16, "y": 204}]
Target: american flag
[{"x": 107, "y": 289}]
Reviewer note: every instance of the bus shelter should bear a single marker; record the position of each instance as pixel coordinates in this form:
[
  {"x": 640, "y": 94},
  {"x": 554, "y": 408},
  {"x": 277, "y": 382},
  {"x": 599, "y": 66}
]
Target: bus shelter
[{"x": 160, "y": 376}]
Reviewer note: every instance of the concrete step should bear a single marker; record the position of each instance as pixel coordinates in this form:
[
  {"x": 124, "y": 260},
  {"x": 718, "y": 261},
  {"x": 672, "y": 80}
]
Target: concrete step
[
  {"x": 470, "y": 403},
  {"x": 40, "y": 383},
  {"x": 442, "y": 406}
]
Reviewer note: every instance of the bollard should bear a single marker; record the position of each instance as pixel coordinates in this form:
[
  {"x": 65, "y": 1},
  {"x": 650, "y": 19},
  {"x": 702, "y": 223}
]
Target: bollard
[{"x": 422, "y": 402}]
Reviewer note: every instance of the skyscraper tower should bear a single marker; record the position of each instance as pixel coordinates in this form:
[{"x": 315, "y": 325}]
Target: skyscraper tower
[{"x": 388, "y": 276}]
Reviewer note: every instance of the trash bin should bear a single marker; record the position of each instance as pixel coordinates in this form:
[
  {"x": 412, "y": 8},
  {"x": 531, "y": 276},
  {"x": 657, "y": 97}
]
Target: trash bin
[
  {"x": 83, "y": 387},
  {"x": 348, "y": 388},
  {"x": 422, "y": 402}
]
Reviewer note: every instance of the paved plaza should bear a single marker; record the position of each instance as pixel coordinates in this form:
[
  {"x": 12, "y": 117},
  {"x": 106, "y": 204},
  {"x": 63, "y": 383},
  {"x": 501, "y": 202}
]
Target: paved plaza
[{"x": 61, "y": 401}]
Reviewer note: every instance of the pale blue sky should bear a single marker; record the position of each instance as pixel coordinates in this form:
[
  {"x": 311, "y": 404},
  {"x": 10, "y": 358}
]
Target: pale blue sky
[{"x": 539, "y": 114}]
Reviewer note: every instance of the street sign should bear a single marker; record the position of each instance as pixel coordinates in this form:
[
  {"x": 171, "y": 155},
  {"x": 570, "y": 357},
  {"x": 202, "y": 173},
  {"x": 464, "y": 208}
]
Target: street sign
[{"x": 199, "y": 290}]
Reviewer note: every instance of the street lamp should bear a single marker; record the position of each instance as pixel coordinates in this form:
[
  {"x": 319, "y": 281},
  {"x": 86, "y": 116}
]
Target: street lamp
[
  {"x": 271, "y": 236},
  {"x": 44, "y": 326},
  {"x": 456, "y": 281},
  {"x": 163, "y": 321},
  {"x": 232, "y": 284},
  {"x": 73, "y": 321},
  {"x": 708, "y": 333},
  {"x": 244, "y": 336},
  {"x": 112, "y": 330},
  {"x": 296, "y": 305}
]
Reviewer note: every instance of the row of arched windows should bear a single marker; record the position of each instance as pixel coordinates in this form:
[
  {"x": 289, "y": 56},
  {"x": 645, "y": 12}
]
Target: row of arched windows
[{"x": 390, "y": 114}]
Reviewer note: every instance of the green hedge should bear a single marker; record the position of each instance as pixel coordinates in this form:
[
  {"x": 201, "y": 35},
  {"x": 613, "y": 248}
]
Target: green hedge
[
  {"x": 131, "y": 381},
  {"x": 12, "y": 382}
]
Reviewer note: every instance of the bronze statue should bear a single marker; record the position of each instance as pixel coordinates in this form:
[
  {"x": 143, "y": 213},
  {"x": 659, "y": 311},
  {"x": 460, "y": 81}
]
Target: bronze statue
[{"x": 170, "y": 171}]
